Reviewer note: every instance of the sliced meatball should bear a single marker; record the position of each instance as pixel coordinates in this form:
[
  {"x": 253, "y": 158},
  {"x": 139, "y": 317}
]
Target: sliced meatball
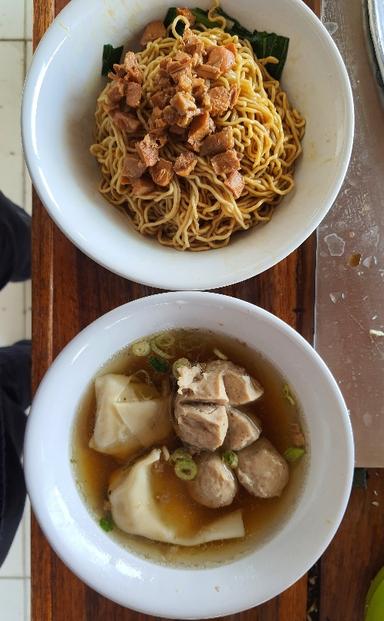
[
  {"x": 218, "y": 142},
  {"x": 235, "y": 182},
  {"x": 202, "y": 425},
  {"x": 221, "y": 57},
  {"x": 185, "y": 163},
  {"x": 162, "y": 172},
  {"x": 242, "y": 430},
  {"x": 240, "y": 387},
  {"x": 148, "y": 150},
  {"x": 198, "y": 384},
  {"x": 225, "y": 163},
  {"x": 215, "y": 485},
  {"x": 133, "y": 94},
  {"x": 262, "y": 470},
  {"x": 154, "y": 30}
]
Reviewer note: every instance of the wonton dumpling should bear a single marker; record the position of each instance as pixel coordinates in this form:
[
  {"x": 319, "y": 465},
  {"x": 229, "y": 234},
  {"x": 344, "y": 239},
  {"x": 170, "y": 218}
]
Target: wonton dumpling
[
  {"x": 135, "y": 512},
  {"x": 129, "y": 416}
]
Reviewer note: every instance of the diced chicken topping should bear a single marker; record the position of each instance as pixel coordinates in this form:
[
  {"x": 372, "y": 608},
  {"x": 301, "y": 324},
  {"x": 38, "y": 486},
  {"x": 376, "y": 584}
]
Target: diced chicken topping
[
  {"x": 133, "y": 167},
  {"x": 133, "y": 94},
  {"x": 199, "y": 384},
  {"x": 148, "y": 150},
  {"x": 201, "y": 425},
  {"x": 154, "y": 30},
  {"x": 221, "y": 57},
  {"x": 235, "y": 182},
  {"x": 143, "y": 185},
  {"x": 218, "y": 142},
  {"x": 201, "y": 126},
  {"x": 125, "y": 121},
  {"x": 183, "y": 103},
  {"x": 215, "y": 485},
  {"x": 220, "y": 99},
  {"x": 208, "y": 72},
  {"x": 225, "y": 163},
  {"x": 131, "y": 68},
  {"x": 181, "y": 109},
  {"x": 262, "y": 470},
  {"x": 116, "y": 92},
  {"x": 242, "y": 430},
  {"x": 240, "y": 387},
  {"x": 162, "y": 172},
  {"x": 185, "y": 163},
  {"x": 186, "y": 13}
]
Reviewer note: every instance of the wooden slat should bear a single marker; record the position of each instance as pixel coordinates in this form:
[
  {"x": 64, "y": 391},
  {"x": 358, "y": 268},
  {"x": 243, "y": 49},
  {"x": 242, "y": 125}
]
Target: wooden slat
[{"x": 70, "y": 291}]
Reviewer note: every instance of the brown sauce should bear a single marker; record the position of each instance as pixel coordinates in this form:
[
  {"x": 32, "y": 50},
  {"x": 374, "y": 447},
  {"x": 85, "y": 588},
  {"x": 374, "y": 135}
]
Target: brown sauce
[{"x": 262, "y": 517}]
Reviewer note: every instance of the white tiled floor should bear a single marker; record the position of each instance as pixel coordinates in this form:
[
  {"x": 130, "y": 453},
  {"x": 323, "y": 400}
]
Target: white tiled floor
[{"x": 15, "y": 299}]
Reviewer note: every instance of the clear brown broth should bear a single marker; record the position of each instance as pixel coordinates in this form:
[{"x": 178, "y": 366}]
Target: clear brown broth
[{"x": 261, "y": 516}]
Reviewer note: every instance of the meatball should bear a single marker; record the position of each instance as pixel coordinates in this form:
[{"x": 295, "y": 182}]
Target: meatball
[
  {"x": 262, "y": 470},
  {"x": 214, "y": 485},
  {"x": 202, "y": 425},
  {"x": 242, "y": 430}
]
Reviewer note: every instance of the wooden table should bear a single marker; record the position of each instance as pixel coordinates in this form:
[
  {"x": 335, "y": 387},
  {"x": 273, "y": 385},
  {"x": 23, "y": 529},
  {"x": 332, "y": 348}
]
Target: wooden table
[{"x": 70, "y": 291}]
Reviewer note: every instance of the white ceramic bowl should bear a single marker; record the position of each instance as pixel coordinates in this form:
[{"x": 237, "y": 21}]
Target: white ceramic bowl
[
  {"x": 58, "y": 119},
  {"x": 188, "y": 593}
]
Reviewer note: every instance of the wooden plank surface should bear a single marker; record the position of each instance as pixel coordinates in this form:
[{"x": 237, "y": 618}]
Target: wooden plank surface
[{"x": 70, "y": 291}]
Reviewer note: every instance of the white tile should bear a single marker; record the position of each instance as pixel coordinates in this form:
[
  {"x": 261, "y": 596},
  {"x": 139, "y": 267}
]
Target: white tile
[
  {"x": 27, "y": 599},
  {"x": 13, "y": 566},
  {"x": 28, "y": 19},
  {"x": 12, "y": 19},
  {"x": 12, "y": 599},
  {"x": 11, "y": 84},
  {"x": 12, "y": 317},
  {"x": 27, "y": 539}
]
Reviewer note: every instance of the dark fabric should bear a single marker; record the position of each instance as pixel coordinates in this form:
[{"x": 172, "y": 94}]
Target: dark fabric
[
  {"x": 15, "y": 242},
  {"x": 15, "y": 396},
  {"x": 15, "y": 375}
]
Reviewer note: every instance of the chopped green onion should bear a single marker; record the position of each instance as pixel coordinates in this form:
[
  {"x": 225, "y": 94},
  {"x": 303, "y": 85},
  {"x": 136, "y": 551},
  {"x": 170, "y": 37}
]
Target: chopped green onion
[
  {"x": 288, "y": 395},
  {"x": 293, "y": 453},
  {"x": 111, "y": 56},
  {"x": 141, "y": 348},
  {"x": 161, "y": 366},
  {"x": 220, "y": 354},
  {"x": 231, "y": 459},
  {"x": 186, "y": 469},
  {"x": 180, "y": 454},
  {"x": 165, "y": 340},
  {"x": 180, "y": 362},
  {"x": 106, "y": 523},
  {"x": 160, "y": 352}
]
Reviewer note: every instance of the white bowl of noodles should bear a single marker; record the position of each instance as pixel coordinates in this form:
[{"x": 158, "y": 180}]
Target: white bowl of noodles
[
  {"x": 197, "y": 211},
  {"x": 198, "y": 589}
]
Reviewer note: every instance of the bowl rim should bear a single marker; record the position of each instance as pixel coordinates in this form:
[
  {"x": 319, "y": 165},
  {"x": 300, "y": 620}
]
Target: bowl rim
[
  {"x": 169, "y": 609},
  {"x": 200, "y": 280}
]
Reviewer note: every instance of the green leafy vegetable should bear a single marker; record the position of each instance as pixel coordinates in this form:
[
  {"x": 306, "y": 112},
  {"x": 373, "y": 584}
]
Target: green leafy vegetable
[
  {"x": 293, "y": 453},
  {"x": 111, "y": 55},
  {"x": 106, "y": 523},
  {"x": 158, "y": 364},
  {"x": 201, "y": 17},
  {"x": 231, "y": 459}
]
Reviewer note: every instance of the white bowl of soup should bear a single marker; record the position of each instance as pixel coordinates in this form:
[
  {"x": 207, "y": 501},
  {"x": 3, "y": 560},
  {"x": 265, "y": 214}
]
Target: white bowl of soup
[
  {"x": 236, "y": 202},
  {"x": 142, "y": 482}
]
